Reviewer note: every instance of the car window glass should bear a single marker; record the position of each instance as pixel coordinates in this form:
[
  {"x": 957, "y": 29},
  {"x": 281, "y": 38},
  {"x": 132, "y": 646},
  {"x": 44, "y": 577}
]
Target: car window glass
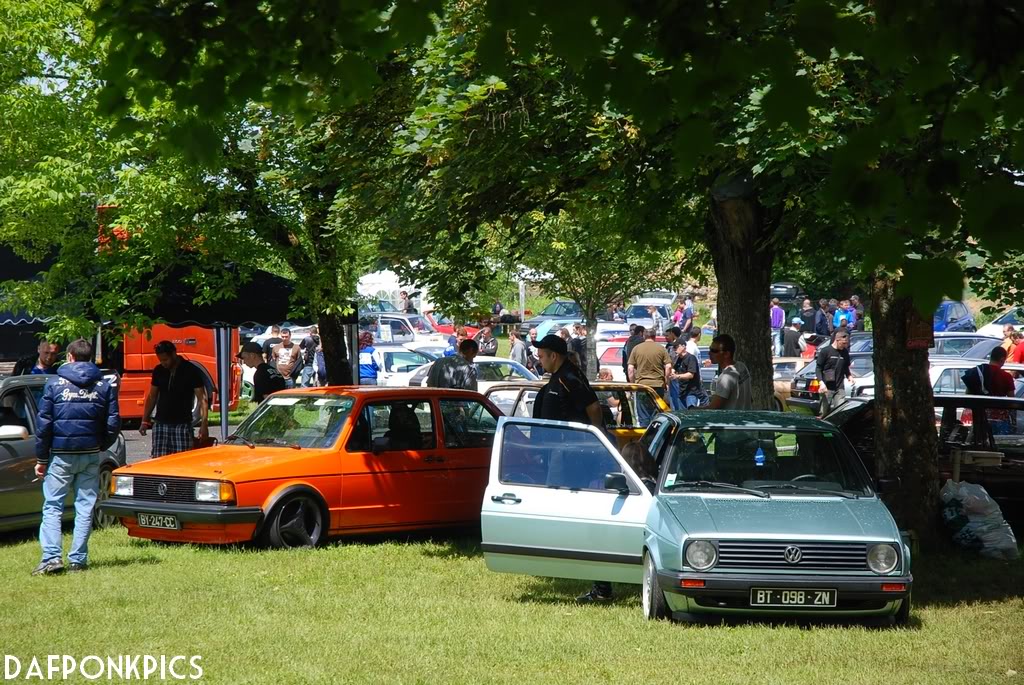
[
  {"x": 404, "y": 362},
  {"x": 393, "y": 426},
  {"x": 525, "y": 407},
  {"x": 505, "y": 400},
  {"x": 785, "y": 370},
  {"x": 945, "y": 384},
  {"x": 467, "y": 423},
  {"x": 655, "y": 438},
  {"x": 613, "y": 355},
  {"x": 489, "y": 372},
  {"x": 555, "y": 457},
  {"x": 307, "y": 421},
  {"x": 957, "y": 346},
  {"x": 15, "y": 410}
]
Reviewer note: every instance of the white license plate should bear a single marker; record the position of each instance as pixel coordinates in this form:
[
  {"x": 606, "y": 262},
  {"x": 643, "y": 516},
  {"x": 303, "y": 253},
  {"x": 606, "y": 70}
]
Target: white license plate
[
  {"x": 166, "y": 521},
  {"x": 788, "y": 597}
]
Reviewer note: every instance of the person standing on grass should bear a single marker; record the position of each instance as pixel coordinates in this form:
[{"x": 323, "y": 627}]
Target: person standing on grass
[
  {"x": 77, "y": 420},
  {"x": 777, "y": 318},
  {"x": 287, "y": 357},
  {"x": 793, "y": 340},
  {"x": 650, "y": 365},
  {"x": 176, "y": 387},
  {"x": 457, "y": 371},
  {"x": 517, "y": 351},
  {"x": 823, "y": 320},
  {"x": 371, "y": 362},
  {"x": 636, "y": 336},
  {"x": 487, "y": 343},
  {"x": 308, "y": 347},
  {"x": 732, "y": 387},
  {"x": 268, "y": 344},
  {"x": 833, "y": 369}
]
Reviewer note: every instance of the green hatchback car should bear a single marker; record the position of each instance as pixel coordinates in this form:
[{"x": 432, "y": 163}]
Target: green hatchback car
[{"x": 758, "y": 514}]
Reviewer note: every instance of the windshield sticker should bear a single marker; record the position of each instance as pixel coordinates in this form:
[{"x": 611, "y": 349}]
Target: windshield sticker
[
  {"x": 759, "y": 457},
  {"x": 283, "y": 401},
  {"x": 670, "y": 480},
  {"x": 828, "y": 435}
]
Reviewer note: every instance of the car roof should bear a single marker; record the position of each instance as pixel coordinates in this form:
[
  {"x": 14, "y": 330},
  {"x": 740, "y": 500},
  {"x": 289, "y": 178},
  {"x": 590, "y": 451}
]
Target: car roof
[
  {"x": 754, "y": 420},
  {"x": 360, "y": 390},
  {"x": 595, "y": 385},
  {"x": 965, "y": 334}
]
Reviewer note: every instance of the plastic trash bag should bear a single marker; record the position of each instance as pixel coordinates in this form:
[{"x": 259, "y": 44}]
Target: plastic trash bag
[{"x": 976, "y": 522}]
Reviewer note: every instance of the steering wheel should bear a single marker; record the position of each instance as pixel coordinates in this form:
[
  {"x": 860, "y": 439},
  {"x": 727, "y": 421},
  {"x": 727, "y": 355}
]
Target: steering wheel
[{"x": 805, "y": 476}]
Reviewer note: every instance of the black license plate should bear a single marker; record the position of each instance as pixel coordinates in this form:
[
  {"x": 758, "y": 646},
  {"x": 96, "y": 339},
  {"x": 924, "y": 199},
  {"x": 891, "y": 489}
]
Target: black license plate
[
  {"x": 789, "y": 597},
  {"x": 165, "y": 521}
]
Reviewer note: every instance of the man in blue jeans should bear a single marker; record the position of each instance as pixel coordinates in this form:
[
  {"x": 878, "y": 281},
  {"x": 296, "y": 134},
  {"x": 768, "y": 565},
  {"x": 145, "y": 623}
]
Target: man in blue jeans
[{"x": 77, "y": 420}]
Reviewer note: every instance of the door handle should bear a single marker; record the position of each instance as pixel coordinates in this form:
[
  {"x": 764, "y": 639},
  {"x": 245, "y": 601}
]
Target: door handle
[
  {"x": 431, "y": 459},
  {"x": 507, "y": 498}
]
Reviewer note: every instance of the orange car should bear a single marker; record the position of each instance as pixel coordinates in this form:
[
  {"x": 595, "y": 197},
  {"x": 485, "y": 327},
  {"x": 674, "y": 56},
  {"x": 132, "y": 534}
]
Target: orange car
[{"x": 316, "y": 462}]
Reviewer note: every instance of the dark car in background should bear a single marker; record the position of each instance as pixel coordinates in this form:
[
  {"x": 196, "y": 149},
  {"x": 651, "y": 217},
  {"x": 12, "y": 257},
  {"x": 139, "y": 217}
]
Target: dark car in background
[
  {"x": 559, "y": 309},
  {"x": 952, "y": 315},
  {"x": 21, "y": 494},
  {"x": 1001, "y": 473},
  {"x": 947, "y": 344},
  {"x": 805, "y": 397}
]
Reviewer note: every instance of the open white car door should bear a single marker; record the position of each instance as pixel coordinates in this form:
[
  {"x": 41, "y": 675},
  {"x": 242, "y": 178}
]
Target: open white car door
[{"x": 547, "y": 512}]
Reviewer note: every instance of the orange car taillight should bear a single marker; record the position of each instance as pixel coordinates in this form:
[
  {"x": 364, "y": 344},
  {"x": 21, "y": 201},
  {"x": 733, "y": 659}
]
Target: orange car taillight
[{"x": 814, "y": 386}]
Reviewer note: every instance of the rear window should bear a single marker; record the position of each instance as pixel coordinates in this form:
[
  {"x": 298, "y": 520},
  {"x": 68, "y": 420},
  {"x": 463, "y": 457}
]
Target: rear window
[{"x": 1013, "y": 317}]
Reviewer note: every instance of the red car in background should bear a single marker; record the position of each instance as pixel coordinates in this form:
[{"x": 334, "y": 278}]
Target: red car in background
[{"x": 444, "y": 324}]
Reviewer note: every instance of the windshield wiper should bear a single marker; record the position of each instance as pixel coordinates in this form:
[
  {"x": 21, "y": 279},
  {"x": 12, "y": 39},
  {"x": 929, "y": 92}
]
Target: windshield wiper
[
  {"x": 810, "y": 488},
  {"x": 278, "y": 442},
  {"x": 724, "y": 486},
  {"x": 235, "y": 436}
]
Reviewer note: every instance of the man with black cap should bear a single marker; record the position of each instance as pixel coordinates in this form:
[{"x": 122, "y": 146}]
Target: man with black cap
[
  {"x": 267, "y": 379},
  {"x": 567, "y": 396}
]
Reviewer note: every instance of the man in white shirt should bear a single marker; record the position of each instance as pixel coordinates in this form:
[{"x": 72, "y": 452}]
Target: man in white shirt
[{"x": 691, "y": 343}]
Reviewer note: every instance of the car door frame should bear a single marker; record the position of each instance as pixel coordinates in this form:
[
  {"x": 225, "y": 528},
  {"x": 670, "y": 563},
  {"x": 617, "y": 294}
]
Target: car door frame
[
  {"x": 21, "y": 467},
  {"x": 536, "y": 529}
]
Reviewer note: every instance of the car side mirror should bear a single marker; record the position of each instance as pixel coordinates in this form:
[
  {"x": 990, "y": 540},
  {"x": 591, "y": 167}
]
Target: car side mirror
[
  {"x": 617, "y": 482},
  {"x": 886, "y": 486},
  {"x": 12, "y": 432}
]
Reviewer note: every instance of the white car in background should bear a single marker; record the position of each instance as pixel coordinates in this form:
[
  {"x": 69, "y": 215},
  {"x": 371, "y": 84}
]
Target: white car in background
[
  {"x": 400, "y": 363},
  {"x": 1014, "y": 317},
  {"x": 489, "y": 371},
  {"x": 945, "y": 376}
]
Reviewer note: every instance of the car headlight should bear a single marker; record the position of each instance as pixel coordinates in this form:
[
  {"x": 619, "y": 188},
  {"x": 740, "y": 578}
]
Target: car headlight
[
  {"x": 214, "y": 491},
  {"x": 123, "y": 486},
  {"x": 882, "y": 558},
  {"x": 701, "y": 555}
]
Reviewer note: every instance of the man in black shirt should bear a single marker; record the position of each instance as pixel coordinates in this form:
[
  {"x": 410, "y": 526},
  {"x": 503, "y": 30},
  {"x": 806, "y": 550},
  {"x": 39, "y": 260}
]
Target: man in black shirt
[
  {"x": 636, "y": 336},
  {"x": 177, "y": 387},
  {"x": 266, "y": 379},
  {"x": 567, "y": 396},
  {"x": 686, "y": 372},
  {"x": 792, "y": 337},
  {"x": 268, "y": 344},
  {"x": 832, "y": 370}
]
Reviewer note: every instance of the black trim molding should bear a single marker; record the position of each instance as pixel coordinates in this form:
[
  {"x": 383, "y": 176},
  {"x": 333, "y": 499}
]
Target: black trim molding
[{"x": 573, "y": 554}]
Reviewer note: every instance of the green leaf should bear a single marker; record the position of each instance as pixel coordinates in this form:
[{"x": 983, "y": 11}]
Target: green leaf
[
  {"x": 694, "y": 139},
  {"x": 928, "y": 280},
  {"x": 788, "y": 102}
]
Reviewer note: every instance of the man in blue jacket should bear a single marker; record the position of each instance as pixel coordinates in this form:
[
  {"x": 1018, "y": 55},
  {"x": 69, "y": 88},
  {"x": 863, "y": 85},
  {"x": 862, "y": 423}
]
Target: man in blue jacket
[{"x": 77, "y": 420}]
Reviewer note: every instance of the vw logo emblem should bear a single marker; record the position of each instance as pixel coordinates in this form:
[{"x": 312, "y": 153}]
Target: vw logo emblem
[
  {"x": 793, "y": 554},
  {"x": 162, "y": 491}
]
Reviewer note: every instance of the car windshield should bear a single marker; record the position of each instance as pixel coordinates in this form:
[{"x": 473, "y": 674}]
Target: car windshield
[
  {"x": 982, "y": 350},
  {"x": 639, "y": 311},
  {"x": 297, "y": 421},
  {"x": 421, "y": 325},
  {"x": 773, "y": 461},
  {"x": 1014, "y": 317}
]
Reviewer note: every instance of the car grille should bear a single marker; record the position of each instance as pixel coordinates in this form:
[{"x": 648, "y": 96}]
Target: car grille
[
  {"x": 819, "y": 556},
  {"x": 178, "y": 489}
]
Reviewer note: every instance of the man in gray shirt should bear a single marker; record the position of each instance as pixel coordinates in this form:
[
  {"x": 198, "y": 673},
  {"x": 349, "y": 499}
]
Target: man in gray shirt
[
  {"x": 456, "y": 371},
  {"x": 732, "y": 387},
  {"x": 518, "y": 352}
]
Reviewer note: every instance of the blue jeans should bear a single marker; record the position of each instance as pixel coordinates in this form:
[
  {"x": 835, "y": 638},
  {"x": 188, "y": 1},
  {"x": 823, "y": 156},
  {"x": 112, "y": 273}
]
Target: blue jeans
[
  {"x": 82, "y": 473},
  {"x": 675, "y": 400},
  {"x": 691, "y": 401},
  {"x": 645, "y": 411},
  {"x": 308, "y": 376}
]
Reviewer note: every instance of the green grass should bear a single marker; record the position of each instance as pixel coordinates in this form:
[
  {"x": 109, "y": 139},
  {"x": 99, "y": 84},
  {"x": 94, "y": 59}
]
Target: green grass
[
  {"x": 428, "y": 611},
  {"x": 236, "y": 416}
]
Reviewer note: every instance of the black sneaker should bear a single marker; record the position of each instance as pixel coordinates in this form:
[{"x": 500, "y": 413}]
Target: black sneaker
[
  {"x": 49, "y": 567},
  {"x": 76, "y": 568},
  {"x": 594, "y": 596}
]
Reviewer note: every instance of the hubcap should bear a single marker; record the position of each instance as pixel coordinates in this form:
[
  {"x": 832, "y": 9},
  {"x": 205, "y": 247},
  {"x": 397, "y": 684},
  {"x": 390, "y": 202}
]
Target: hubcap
[{"x": 299, "y": 523}]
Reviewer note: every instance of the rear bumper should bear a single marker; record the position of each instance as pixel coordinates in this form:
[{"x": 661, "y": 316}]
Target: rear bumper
[
  {"x": 803, "y": 405},
  {"x": 129, "y": 507}
]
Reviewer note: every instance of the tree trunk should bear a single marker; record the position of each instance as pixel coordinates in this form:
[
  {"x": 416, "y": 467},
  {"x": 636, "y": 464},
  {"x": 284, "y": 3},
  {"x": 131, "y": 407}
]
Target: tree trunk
[
  {"x": 739, "y": 235},
  {"x": 906, "y": 443},
  {"x": 593, "y": 364},
  {"x": 332, "y": 339}
]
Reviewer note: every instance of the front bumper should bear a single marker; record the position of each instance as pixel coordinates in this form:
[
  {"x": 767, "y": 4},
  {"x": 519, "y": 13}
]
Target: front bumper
[
  {"x": 129, "y": 507},
  {"x": 730, "y": 593}
]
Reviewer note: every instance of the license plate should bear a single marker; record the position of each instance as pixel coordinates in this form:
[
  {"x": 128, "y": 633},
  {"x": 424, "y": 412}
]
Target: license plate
[
  {"x": 166, "y": 521},
  {"x": 786, "y": 597}
]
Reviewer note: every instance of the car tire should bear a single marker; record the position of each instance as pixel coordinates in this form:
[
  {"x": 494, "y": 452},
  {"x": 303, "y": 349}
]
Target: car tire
[
  {"x": 99, "y": 519},
  {"x": 652, "y": 597},
  {"x": 296, "y": 521},
  {"x": 902, "y": 617},
  {"x": 778, "y": 405}
]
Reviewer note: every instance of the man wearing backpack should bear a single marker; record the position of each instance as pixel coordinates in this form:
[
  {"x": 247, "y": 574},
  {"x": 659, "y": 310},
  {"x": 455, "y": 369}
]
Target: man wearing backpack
[{"x": 833, "y": 369}]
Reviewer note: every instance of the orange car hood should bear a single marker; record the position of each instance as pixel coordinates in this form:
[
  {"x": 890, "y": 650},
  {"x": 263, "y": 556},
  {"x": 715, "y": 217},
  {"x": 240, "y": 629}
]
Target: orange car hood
[{"x": 235, "y": 463}]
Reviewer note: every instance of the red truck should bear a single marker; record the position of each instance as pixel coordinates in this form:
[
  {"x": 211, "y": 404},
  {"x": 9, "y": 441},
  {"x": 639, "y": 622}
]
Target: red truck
[{"x": 135, "y": 360}]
